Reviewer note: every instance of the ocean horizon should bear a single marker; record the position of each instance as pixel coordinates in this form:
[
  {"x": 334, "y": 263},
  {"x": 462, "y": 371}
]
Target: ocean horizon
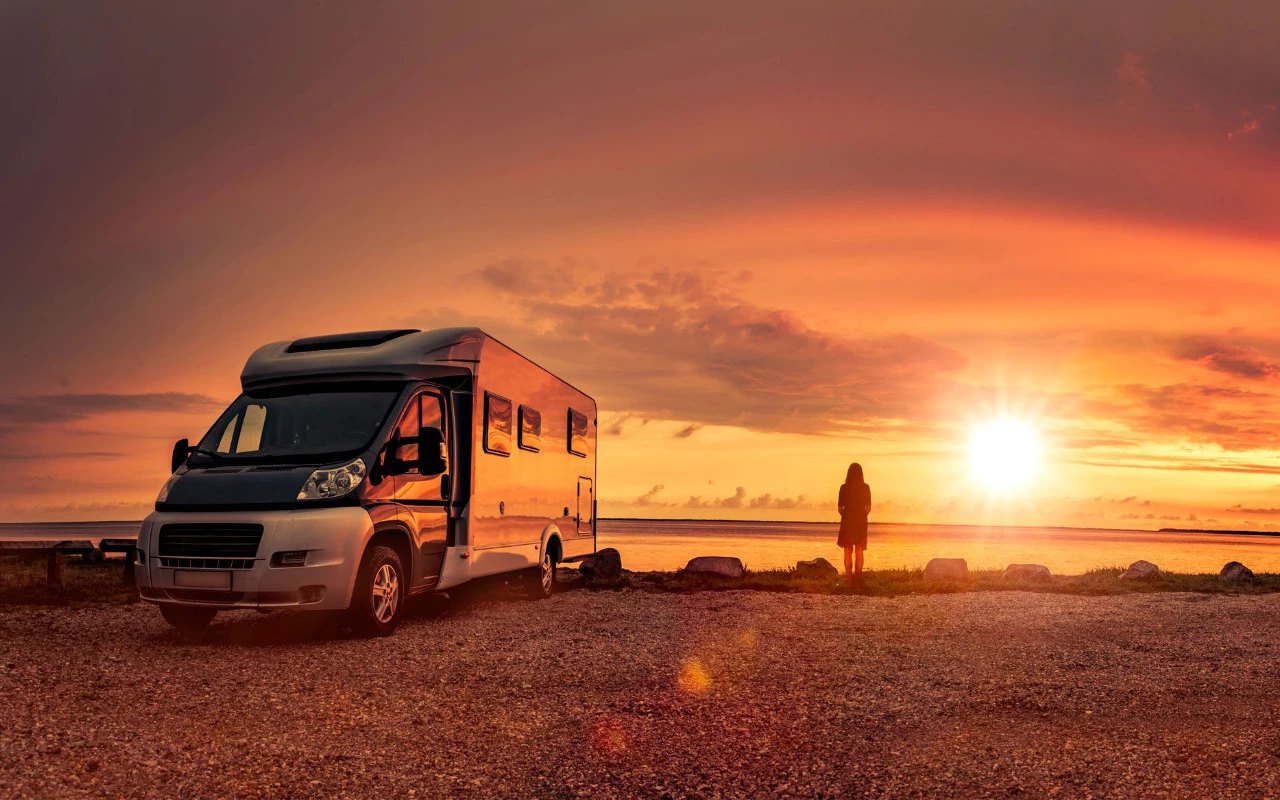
[{"x": 668, "y": 544}]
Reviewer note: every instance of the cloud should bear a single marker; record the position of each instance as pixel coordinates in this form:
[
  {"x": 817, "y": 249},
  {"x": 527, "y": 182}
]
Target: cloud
[
  {"x": 680, "y": 344},
  {"x": 1232, "y": 418},
  {"x": 58, "y": 408},
  {"x": 615, "y": 424},
  {"x": 1243, "y": 362},
  {"x": 737, "y": 500},
  {"x": 686, "y": 432},
  {"x": 648, "y": 497}
]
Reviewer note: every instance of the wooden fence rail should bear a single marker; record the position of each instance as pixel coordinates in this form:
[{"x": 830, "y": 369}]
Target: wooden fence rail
[{"x": 53, "y": 551}]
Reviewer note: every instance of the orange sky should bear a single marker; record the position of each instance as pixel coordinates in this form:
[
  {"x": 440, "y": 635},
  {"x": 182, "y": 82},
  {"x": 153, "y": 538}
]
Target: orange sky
[{"x": 769, "y": 238}]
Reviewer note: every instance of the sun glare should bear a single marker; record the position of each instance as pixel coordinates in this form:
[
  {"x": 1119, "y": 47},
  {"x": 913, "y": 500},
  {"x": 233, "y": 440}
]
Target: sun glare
[{"x": 1004, "y": 454}]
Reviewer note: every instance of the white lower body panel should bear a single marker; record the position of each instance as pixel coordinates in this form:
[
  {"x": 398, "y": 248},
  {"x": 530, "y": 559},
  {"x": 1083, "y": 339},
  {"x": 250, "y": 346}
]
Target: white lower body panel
[{"x": 334, "y": 539}]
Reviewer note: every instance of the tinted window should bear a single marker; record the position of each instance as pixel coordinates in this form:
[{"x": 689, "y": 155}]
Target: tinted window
[
  {"x": 497, "y": 424},
  {"x": 577, "y": 433},
  {"x": 307, "y": 424},
  {"x": 530, "y": 429}
]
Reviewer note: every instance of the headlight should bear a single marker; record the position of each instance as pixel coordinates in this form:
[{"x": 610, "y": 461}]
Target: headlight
[
  {"x": 326, "y": 483},
  {"x": 164, "y": 490}
]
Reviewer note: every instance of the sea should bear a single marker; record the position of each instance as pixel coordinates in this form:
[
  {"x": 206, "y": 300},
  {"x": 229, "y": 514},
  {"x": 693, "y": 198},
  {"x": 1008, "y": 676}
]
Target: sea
[{"x": 669, "y": 544}]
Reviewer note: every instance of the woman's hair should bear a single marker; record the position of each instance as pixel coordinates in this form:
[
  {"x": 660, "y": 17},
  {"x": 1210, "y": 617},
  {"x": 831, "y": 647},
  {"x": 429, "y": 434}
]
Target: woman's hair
[{"x": 855, "y": 474}]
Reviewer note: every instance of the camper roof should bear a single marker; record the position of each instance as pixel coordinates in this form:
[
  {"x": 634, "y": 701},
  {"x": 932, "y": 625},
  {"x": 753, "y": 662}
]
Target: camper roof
[{"x": 397, "y": 354}]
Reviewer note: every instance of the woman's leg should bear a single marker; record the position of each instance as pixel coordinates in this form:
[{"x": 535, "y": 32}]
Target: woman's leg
[
  {"x": 848, "y": 562},
  {"x": 857, "y": 569}
]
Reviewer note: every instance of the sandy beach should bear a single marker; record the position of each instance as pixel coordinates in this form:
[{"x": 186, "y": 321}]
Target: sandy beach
[{"x": 633, "y": 694}]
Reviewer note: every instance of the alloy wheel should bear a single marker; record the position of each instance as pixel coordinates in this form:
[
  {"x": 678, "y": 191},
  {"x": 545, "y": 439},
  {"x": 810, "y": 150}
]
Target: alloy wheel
[{"x": 386, "y": 593}]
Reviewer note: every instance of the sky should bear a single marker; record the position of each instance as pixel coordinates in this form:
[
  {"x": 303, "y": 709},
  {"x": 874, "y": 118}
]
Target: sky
[{"x": 768, "y": 238}]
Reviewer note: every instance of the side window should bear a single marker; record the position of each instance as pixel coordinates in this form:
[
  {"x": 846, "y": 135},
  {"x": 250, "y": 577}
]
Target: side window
[
  {"x": 432, "y": 411},
  {"x": 577, "y": 433},
  {"x": 244, "y": 435},
  {"x": 497, "y": 424},
  {"x": 408, "y": 426},
  {"x": 530, "y": 429}
]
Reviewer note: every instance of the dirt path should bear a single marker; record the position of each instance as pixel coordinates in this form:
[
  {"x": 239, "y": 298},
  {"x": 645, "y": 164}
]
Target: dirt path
[{"x": 630, "y": 694}]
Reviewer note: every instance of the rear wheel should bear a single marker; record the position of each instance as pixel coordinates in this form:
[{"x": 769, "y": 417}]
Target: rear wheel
[
  {"x": 187, "y": 618},
  {"x": 377, "y": 603},
  {"x": 542, "y": 581}
]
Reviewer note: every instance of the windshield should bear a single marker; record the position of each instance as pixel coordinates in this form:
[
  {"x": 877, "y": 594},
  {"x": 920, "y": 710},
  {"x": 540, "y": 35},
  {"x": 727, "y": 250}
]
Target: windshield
[{"x": 306, "y": 425}]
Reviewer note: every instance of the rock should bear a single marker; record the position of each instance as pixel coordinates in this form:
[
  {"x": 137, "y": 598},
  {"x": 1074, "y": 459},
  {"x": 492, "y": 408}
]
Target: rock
[
  {"x": 1141, "y": 571},
  {"x": 817, "y": 569},
  {"x": 728, "y": 566},
  {"x": 946, "y": 569},
  {"x": 602, "y": 565},
  {"x": 1027, "y": 572},
  {"x": 1235, "y": 572}
]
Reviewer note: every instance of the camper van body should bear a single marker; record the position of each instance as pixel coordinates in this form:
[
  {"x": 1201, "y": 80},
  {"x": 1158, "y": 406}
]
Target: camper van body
[{"x": 252, "y": 519}]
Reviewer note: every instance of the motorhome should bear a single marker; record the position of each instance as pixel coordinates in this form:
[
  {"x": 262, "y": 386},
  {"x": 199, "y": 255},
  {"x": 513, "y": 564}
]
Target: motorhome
[{"x": 357, "y": 469}]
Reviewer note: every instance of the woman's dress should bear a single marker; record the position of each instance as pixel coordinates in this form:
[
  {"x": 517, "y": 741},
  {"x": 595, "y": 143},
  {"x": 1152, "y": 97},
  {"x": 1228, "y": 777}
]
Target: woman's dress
[{"x": 854, "y": 499}]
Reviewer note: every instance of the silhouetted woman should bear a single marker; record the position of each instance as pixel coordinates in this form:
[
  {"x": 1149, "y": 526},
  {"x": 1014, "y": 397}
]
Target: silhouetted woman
[{"x": 855, "y": 505}]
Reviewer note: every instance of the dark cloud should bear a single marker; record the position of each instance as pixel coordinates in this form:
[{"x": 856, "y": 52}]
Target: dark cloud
[
  {"x": 58, "y": 408},
  {"x": 1240, "y": 361},
  {"x": 61, "y": 456},
  {"x": 682, "y": 345},
  {"x": 686, "y": 432}
]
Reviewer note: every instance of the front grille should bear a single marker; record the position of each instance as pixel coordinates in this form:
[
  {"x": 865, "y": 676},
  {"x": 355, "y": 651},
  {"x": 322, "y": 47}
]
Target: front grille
[
  {"x": 209, "y": 540},
  {"x": 206, "y": 563}
]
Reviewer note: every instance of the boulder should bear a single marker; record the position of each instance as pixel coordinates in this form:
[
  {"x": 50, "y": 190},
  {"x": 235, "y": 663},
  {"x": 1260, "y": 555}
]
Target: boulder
[
  {"x": 602, "y": 565},
  {"x": 1141, "y": 571},
  {"x": 1235, "y": 572},
  {"x": 946, "y": 569},
  {"x": 728, "y": 566},
  {"x": 1027, "y": 572},
  {"x": 817, "y": 569}
]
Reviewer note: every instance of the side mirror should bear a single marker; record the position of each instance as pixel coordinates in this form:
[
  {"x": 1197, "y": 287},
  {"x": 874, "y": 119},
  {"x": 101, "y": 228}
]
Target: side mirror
[
  {"x": 432, "y": 457},
  {"x": 181, "y": 449}
]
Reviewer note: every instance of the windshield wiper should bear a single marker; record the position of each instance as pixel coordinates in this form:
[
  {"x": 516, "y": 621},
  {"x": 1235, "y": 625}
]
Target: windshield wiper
[{"x": 209, "y": 453}]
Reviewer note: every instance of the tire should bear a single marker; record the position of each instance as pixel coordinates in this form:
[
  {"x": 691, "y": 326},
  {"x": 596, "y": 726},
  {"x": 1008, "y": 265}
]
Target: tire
[
  {"x": 187, "y": 618},
  {"x": 542, "y": 581},
  {"x": 377, "y": 603}
]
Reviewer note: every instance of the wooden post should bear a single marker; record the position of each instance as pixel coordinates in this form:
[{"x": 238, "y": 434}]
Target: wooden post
[
  {"x": 53, "y": 574},
  {"x": 128, "y": 578}
]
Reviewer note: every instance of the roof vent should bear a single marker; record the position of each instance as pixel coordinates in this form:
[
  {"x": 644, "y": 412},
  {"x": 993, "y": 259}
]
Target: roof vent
[{"x": 344, "y": 341}]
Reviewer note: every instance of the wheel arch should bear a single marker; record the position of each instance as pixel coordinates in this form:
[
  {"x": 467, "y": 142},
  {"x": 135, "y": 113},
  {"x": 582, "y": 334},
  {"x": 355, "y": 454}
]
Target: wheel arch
[
  {"x": 552, "y": 540},
  {"x": 395, "y": 535}
]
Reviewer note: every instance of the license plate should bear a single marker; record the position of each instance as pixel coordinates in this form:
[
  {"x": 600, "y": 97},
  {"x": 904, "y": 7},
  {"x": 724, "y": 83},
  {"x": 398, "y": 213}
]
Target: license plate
[{"x": 192, "y": 579}]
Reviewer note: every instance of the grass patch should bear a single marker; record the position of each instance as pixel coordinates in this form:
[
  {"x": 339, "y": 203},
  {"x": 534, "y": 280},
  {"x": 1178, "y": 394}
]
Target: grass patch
[
  {"x": 900, "y": 582},
  {"x": 23, "y": 583}
]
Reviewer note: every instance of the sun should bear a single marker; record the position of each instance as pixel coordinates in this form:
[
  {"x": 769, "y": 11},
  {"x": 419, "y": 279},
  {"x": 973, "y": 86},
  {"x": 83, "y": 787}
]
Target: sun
[{"x": 1004, "y": 454}]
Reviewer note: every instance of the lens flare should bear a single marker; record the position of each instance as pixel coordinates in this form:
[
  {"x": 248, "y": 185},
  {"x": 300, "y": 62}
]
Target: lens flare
[
  {"x": 693, "y": 677},
  {"x": 1005, "y": 454}
]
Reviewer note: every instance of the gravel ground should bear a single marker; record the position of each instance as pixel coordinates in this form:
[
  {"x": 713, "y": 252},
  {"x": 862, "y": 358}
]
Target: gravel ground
[{"x": 633, "y": 694}]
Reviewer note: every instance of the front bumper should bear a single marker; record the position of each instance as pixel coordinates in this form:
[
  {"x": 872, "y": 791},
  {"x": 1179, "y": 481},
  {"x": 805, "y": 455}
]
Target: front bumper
[{"x": 334, "y": 539}]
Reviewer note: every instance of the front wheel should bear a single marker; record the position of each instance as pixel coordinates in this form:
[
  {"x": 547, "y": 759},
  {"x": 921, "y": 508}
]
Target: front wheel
[
  {"x": 542, "y": 581},
  {"x": 187, "y": 618},
  {"x": 378, "y": 600}
]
